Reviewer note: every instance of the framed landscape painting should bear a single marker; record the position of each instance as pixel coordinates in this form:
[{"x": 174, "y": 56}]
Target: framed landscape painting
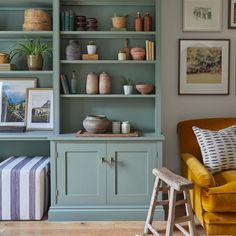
[
  {"x": 13, "y": 100},
  {"x": 204, "y": 66},
  {"x": 232, "y": 14},
  {"x": 40, "y": 109},
  {"x": 202, "y": 15}
]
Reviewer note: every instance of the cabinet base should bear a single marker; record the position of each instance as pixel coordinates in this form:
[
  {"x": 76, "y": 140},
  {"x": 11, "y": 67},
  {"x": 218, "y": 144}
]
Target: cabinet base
[{"x": 101, "y": 214}]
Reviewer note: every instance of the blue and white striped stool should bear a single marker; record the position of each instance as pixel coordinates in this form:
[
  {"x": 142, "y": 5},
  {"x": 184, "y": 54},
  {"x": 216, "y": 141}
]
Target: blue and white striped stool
[{"x": 24, "y": 188}]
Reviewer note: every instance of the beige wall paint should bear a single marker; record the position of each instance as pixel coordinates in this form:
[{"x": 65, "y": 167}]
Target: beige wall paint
[{"x": 174, "y": 107}]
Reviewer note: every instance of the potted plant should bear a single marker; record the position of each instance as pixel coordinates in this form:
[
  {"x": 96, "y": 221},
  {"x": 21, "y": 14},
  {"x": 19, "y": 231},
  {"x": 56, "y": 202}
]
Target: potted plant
[
  {"x": 34, "y": 50},
  {"x": 127, "y": 86},
  {"x": 91, "y": 48}
]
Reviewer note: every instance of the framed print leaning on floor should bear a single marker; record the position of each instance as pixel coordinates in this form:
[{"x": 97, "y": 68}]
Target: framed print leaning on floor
[
  {"x": 202, "y": 15},
  {"x": 204, "y": 66},
  {"x": 39, "y": 109}
]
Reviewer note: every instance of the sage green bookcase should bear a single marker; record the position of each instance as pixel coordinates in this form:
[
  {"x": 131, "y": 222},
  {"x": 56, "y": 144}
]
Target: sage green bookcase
[{"x": 106, "y": 178}]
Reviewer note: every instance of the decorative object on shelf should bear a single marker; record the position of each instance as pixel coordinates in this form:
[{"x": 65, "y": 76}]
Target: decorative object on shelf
[
  {"x": 121, "y": 55},
  {"x": 138, "y": 22},
  {"x": 96, "y": 123},
  {"x": 137, "y": 53},
  {"x": 13, "y": 93},
  {"x": 150, "y": 50},
  {"x": 92, "y": 83},
  {"x": 116, "y": 127},
  {"x": 211, "y": 77},
  {"x": 36, "y": 20},
  {"x": 39, "y": 109},
  {"x": 104, "y": 83},
  {"x": 67, "y": 20},
  {"x": 73, "y": 50},
  {"x": 147, "y": 22},
  {"x": 90, "y": 57},
  {"x": 202, "y": 15},
  {"x": 82, "y": 133},
  {"x": 64, "y": 84},
  {"x": 126, "y": 49},
  {"x": 4, "y": 58},
  {"x": 91, "y": 48},
  {"x": 119, "y": 22},
  {"x": 80, "y": 23},
  {"x": 34, "y": 50},
  {"x": 125, "y": 127},
  {"x": 73, "y": 83},
  {"x": 232, "y": 14},
  {"x": 91, "y": 24},
  {"x": 127, "y": 85},
  {"x": 144, "y": 88}
]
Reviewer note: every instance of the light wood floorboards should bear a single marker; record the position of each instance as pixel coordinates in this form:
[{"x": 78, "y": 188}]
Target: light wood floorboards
[{"x": 104, "y": 228}]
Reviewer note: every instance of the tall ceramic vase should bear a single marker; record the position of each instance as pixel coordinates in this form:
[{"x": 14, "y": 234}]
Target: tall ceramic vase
[{"x": 35, "y": 62}]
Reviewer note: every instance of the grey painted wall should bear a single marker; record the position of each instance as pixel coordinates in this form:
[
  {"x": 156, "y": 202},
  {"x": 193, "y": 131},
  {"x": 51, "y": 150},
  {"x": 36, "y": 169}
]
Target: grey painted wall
[{"x": 174, "y": 107}]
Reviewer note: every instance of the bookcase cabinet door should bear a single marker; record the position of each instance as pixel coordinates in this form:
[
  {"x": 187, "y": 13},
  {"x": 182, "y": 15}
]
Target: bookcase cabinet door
[{"x": 81, "y": 174}]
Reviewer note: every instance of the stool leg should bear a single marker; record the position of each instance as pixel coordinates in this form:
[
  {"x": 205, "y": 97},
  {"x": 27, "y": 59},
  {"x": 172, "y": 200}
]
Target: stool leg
[
  {"x": 189, "y": 211},
  {"x": 152, "y": 206},
  {"x": 171, "y": 213}
]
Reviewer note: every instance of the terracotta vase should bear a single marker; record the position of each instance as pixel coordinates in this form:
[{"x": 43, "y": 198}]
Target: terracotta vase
[
  {"x": 92, "y": 83},
  {"x": 35, "y": 62},
  {"x": 96, "y": 124},
  {"x": 104, "y": 83}
]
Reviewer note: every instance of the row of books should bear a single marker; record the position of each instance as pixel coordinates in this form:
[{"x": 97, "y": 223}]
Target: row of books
[
  {"x": 67, "y": 20},
  {"x": 65, "y": 84},
  {"x": 150, "y": 55},
  {"x": 7, "y": 67}
]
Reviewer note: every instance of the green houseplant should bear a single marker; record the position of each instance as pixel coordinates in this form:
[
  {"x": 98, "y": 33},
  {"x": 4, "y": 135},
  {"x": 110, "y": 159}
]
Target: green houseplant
[
  {"x": 34, "y": 50},
  {"x": 127, "y": 85}
]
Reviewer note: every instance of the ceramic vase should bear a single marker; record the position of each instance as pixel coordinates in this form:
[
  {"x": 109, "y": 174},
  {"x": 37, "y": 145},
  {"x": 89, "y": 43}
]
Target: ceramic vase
[
  {"x": 35, "y": 62},
  {"x": 104, "y": 83},
  {"x": 73, "y": 51},
  {"x": 96, "y": 124},
  {"x": 128, "y": 89},
  {"x": 92, "y": 83}
]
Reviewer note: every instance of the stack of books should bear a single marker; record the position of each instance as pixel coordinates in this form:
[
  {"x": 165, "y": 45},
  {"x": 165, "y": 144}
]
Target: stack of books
[
  {"x": 65, "y": 86},
  {"x": 67, "y": 20},
  {"x": 7, "y": 67},
  {"x": 150, "y": 50},
  {"x": 89, "y": 56}
]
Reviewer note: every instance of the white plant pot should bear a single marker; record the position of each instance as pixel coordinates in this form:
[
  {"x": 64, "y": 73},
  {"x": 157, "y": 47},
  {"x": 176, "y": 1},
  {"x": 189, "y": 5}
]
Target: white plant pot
[
  {"x": 128, "y": 89},
  {"x": 91, "y": 49}
]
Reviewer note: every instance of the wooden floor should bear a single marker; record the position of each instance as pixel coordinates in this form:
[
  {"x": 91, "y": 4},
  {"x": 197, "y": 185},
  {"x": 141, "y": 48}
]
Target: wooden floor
[{"x": 45, "y": 228}]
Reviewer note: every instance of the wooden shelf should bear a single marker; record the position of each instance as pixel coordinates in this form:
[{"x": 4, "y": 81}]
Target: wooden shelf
[
  {"x": 107, "y": 96},
  {"x": 25, "y": 34},
  {"x": 107, "y": 62},
  {"x": 107, "y": 34}
]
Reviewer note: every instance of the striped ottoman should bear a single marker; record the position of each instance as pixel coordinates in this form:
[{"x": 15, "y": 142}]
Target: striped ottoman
[{"x": 24, "y": 188}]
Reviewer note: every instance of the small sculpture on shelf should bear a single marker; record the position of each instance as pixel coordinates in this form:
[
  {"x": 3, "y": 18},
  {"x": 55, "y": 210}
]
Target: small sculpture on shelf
[
  {"x": 119, "y": 23},
  {"x": 127, "y": 85}
]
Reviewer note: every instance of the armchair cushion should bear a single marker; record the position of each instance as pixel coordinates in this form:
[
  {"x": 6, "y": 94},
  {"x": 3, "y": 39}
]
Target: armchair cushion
[
  {"x": 218, "y": 148},
  {"x": 221, "y": 198}
]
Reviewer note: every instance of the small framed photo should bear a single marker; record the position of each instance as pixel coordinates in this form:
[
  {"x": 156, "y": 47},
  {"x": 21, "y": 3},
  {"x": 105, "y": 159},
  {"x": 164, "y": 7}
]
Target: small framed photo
[
  {"x": 202, "y": 15},
  {"x": 204, "y": 66},
  {"x": 39, "y": 109},
  {"x": 13, "y": 93},
  {"x": 232, "y": 14}
]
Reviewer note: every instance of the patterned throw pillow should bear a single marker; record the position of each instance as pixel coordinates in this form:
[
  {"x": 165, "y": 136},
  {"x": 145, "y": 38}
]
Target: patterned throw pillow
[{"x": 218, "y": 148}]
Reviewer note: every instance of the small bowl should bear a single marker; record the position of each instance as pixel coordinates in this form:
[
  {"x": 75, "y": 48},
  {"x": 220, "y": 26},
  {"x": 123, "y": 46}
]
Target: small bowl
[
  {"x": 144, "y": 88},
  {"x": 137, "y": 53}
]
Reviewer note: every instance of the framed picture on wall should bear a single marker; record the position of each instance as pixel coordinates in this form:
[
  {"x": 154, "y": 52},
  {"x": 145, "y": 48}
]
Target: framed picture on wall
[
  {"x": 13, "y": 93},
  {"x": 39, "y": 109},
  {"x": 202, "y": 15},
  {"x": 204, "y": 66},
  {"x": 232, "y": 14}
]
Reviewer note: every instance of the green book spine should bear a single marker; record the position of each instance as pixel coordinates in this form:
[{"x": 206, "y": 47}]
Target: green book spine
[
  {"x": 62, "y": 21},
  {"x": 67, "y": 21},
  {"x": 64, "y": 84},
  {"x": 72, "y": 20}
]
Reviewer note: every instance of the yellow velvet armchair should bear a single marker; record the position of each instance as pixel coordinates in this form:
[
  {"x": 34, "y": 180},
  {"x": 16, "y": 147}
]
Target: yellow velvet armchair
[{"x": 214, "y": 196}]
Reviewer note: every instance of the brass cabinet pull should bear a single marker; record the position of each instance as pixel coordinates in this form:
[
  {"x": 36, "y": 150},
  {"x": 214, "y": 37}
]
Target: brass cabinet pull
[
  {"x": 112, "y": 160},
  {"x": 103, "y": 160}
]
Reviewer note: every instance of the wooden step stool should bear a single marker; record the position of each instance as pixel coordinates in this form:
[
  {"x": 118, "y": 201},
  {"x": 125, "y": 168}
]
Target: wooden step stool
[{"x": 175, "y": 183}]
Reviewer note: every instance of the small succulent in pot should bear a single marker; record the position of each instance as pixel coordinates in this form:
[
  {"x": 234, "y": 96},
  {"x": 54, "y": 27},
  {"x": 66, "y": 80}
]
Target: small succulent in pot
[
  {"x": 91, "y": 48},
  {"x": 35, "y": 50},
  {"x": 127, "y": 85}
]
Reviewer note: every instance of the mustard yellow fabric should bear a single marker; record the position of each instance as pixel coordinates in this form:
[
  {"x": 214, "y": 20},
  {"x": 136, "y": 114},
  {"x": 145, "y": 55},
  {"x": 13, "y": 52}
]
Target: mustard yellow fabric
[{"x": 213, "y": 197}]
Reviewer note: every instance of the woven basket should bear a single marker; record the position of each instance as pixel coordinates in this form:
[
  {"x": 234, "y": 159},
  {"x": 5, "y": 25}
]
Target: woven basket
[{"x": 119, "y": 21}]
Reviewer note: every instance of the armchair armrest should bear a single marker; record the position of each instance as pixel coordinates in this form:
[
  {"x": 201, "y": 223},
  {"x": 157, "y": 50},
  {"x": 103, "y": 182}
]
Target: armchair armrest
[{"x": 200, "y": 175}]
